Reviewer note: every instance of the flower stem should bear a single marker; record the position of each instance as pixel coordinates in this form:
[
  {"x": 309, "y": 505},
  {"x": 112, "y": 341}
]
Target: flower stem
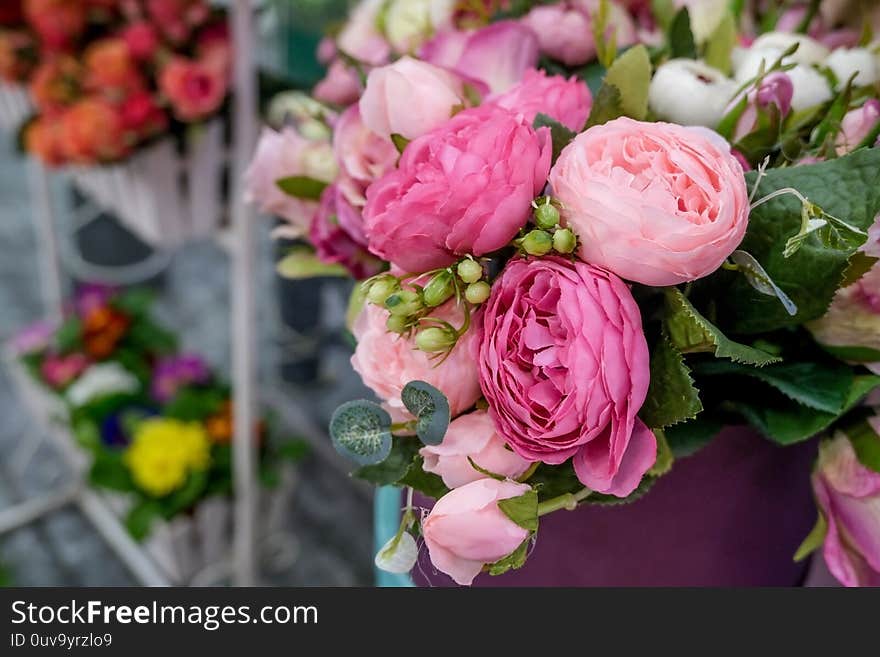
[
  {"x": 567, "y": 501},
  {"x": 404, "y": 426},
  {"x": 528, "y": 473}
]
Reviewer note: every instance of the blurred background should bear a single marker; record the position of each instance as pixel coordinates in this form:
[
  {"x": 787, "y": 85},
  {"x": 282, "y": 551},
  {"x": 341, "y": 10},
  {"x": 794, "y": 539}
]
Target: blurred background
[{"x": 302, "y": 353}]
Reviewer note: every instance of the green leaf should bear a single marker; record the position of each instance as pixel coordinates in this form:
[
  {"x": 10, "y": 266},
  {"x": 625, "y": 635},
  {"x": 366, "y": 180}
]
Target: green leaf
[
  {"x": 87, "y": 433},
  {"x": 665, "y": 458},
  {"x": 690, "y": 437},
  {"x": 859, "y": 265},
  {"x": 663, "y": 11},
  {"x": 866, "y": 444},
  {"x": 184, "y": 498},
  {"x": 853, "y": 354},
  {"x": 430, "y": 408},
  {"x": 109, "y": 471},
  {"x": 135, "y": 301},
  {"x": 630, "y": 74},
  {"x": 140, "y": 519},
  {"x": 149, "y": 338},
  {"x": 814, "y": 539},
  {"x": 192, "y": 404},
  {"x": 294, "y": 450},
  {"x": 512, "y": 561},
  {"x": 303, "y": 263},
  {"x": 600, "y": 499},
  {"x": 302, "y": 187},
  {"x": 560, "y": 135},
  {"x": 68, "y": 337},
  {"x": 425, "y": 482},
  {"x": 361, "y": 430},
  {"x": 672, "y": 397},
  {"x": 400, "y": 142},
  {"x": 554, "y": 480},
  {"x": 720, "y": 45},
  {"x": 690, "y": 332},
  {"x": 389, "y": 472},
  {"x": 607, "y": 106},
  {"x": 681, "y": 38},
  {"x": 523, "y": 510}
]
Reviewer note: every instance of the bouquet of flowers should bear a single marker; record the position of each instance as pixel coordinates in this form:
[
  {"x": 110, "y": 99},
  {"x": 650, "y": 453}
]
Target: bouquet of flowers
[
  {"x": 593, "y": 234},
  {"x": 157, "y": 423},
  {"x": 107, "y": 76}
]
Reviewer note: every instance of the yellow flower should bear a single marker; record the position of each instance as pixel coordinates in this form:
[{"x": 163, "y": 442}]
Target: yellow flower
[{"x": 164, "y": 452}]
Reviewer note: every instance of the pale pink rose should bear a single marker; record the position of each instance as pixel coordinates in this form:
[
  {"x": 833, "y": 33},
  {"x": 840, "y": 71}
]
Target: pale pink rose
[
  {"x": 564, "y": 367},
  {"x": 466, "y": 530},
  {"x": 360, "y": 38},
  {"x": 464, "y": 188},
  {"x": 409, "y": 98},
  {"x": 568, "y": 101},
  {"x": 856, "y": 125},
  {"x": 363, "y": 156},
  {"x": 848, "y": 495},
  {"x": 496, "y": 56},
  {"x": 472, "y": 436},
  {"x": 655, "y": 203},
  {"x": 387, "y": 362},
  {"x": 281, "y": 155}
]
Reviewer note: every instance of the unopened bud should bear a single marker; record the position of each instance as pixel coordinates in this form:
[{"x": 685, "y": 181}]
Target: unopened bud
[
  {"x": 477, "y": 293},
  {"x": 470, "y": 271},
  {"x": 397, "y": 324},
  {"x": 435, "y": 339},
  {"x": 564, "y": 241},
  {"x": 546, "y": 215},
  {"x": 404, "y": 303},
  {"x": 537, "y": 243},
  {"x": 439, "y": 289},
  {"x": 381, "y": 288}
]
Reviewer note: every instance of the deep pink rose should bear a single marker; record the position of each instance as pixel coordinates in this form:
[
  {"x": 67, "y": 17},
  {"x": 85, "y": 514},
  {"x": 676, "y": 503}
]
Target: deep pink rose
[
  {"x": 409, "y": 98},
  {"x": 564, "y": 367},
  {"x": 655, "y": 203},
  {"x": 472, "y": 436},
  {"x": 568, "y": 101},
  {"x": 466, "y": 530},
  {"x": 387, "y": 362},
  {"x": 848, "y": 495},
  {"x": 464, "y": 188},
  {"x": 497, "y": 56},
  {"x": 856, "y": 125},
  {"x": 341, "y": 85},
  {"x": 337, "y": 233},
  {"x": 363, "y": 156}
]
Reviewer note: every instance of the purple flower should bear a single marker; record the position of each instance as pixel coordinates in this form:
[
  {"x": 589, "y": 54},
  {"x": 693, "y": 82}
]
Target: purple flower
[{"x": 174, "y": 372}]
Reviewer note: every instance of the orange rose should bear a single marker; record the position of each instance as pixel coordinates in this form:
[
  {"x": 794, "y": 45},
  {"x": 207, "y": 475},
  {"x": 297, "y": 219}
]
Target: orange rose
[
  {"x": 56, "y": 84},
  {"x": 103, "y": 328},
  {"x": 59, "y": 23},
  {"x": 194, "y": 89},
  {"x": 17, "y": 55},
  {"x": 92, "y": 131},
  {"x": 111, "y": 70},
  {"x": 42, "y": 138}
]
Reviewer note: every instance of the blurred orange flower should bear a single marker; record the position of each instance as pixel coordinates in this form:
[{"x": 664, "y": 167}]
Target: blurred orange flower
[
  {"x": 56, "y": 84},
  {"x": 92, "y": 131}
]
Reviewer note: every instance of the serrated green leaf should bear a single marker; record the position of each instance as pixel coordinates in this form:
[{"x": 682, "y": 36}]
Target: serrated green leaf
[
  {"x": 688, "y": 438},
  {"x": 721, "y": 43},
  {"x": 389, "y": 472},
  {"x": 512, "y": 561},
  {"x": 672, "y": 397},
  {"x": 607, "y": 106},
  {"x": 560, "y": 135},
  {"x": 302, "y": 187},
  {"x": 304, "y": 263},
  {"x": 866, "y": 444},
  {"x": 665, "y": 458},
  {"x": 681, "y": 38},
  {"x": 425, "y": 482},
  {"x": 630, "y": 74},
  {"x": 690, "y": 332},
  {"x": 430, "y": 408},
  {"x": 523, "y": 510},
  {"x": 361, "y": 430},
  {"x": 814, "y": 539},
  {"x": 859, "y": 265}
]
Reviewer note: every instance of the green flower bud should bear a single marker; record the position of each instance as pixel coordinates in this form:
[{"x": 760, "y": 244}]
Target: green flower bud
[
  {"x": 396, "y": 324},
  {"x": 435, "y": 339},
  {"x": 470, "y": 271},
  {"x": 404, "y": 303},
  {"x": 381, "y": 288},
  {"x": 439, "y": 289},
  {"x": 477, "y": 293},
  {"x": 546, "y": 215},
  {"x": 537, "y": 243},
  {"x": 564, "y": 241}
]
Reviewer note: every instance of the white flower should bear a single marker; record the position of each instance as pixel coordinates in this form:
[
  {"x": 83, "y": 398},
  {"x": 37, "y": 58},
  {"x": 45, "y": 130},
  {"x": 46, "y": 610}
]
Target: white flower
[
  {"x": 848, "y": 61},
  {"x": 689, "y": 92},
  {"x": 304, "y": 112},
  {"x": 402, "y": 558},
  {"x": 769, "y": 47},
  {"x": 101, "y": 380},
  {"x": 811, "y": 88},
  {"x": 409, "y": 23}
]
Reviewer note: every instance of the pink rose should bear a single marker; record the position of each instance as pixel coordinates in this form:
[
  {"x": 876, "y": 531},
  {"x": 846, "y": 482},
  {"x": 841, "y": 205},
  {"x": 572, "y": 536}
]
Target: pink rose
[
  {"x": 387, "y": 362},
  {"x": 141, "y": 39},
  {"x": 282, "y": 155},
  {"x": 337, "y": 233},
  {"x": 856, "y": 125},
  {"x": 568, "y": 101},
  {"x": 466, "y": 530},
  {"x": 363, "y": 156},
  {"x": 409, "y": 98},
  {"x": 360, "y": 38},
  {"x": 565, "y": 33},
  {"x": 195, "y": 89},
  {"x": 564, "y": 367},
  {"x": 497, "y": 56},
  {"x": 472, "y": 436},
  {"x": 848, "y": 495},
  {"x": 464, "y": 188},
  {"x": 341, "y": 85},
  {"x": 655, "y": 203}
]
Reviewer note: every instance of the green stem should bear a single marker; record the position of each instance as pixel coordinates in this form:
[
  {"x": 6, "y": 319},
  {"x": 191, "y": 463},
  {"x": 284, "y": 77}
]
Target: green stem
[
  {"x": 567, "y": 501},
  {"x": 404, "y": 426},
  {"x": 812, "y": 10},
  {"x": 528, "y": 473}
]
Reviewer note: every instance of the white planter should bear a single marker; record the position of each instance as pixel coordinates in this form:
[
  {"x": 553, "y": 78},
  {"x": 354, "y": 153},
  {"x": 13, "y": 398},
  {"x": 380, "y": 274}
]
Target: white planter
[
  {"x": 15, "y": 106},
  {"x": 166, "y": 197}
]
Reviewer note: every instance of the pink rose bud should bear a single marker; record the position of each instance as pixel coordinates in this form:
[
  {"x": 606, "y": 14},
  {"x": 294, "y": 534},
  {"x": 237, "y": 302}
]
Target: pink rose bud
[
  {"x": 856, "y": 125},
  {"x": 848, "y": 495},
  {"x": 775, "y": 89},
  {"x": 409, "y": 98},
  {"x": 568, "y": 101},
  {"x": 564, "y": 367},
  {"x": 472, "y": 436},
  {"x": 386, "y": 362},
  {"x": 464, "y": 188},
  {"x": 466, "y": 530},
  {"x": 655, "y": 203}
]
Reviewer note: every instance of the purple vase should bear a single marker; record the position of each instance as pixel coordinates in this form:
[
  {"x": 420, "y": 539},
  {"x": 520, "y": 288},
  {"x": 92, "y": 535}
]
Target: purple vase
[{"x": 731, "y": 515}]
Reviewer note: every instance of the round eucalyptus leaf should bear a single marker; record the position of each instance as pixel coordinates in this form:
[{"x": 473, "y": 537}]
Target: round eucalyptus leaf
[
  {"x": 361, "y": 430},
  {"x": 430, "y": 408}
]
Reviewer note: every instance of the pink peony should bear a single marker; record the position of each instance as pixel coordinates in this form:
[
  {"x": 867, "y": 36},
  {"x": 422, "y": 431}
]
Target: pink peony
[
  {"x": 195, "y": 89},
  {"x": 856, "y": 125},
  {"x": 496, "y": 56},
  {"x": 337, "y": 233},
  {"x": 474, "y": 437},
  {"x": 409, "y": 98},
  {"x": 655, "y": 203},
  {"x": 848, "y": 495},
  {"x": 564, "y": 367},
  {"x": 363, "y": 156},
  {"x": 341, "y": 85},
  {"x": 464, "y": 188},
  {"x": 387, "y": 362},
  {"x": 568, "y": 101},
  {"x": 466, "y": 530}
]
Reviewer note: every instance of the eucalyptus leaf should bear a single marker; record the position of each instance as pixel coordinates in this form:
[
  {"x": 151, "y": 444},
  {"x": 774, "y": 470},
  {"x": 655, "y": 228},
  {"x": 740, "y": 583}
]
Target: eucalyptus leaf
[
  {"x": 361, "y": 430},
  {"x": 672, "y": 396},
  {"x": 523, "y": 510},
  {"x": 430, "y": 408},
  {"x": 302, "y": 187}
]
